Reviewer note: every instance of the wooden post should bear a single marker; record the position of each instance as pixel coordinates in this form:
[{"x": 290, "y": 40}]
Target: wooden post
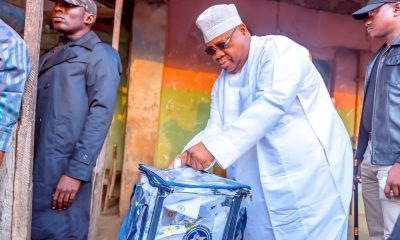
[
  {"x": 144, "y": 93},
  {"x": 98, "y": 172},
  {"x": 22, "y": 204},
  {"x": 110, "y": 183},
  {"x": 117, "y": 23}
]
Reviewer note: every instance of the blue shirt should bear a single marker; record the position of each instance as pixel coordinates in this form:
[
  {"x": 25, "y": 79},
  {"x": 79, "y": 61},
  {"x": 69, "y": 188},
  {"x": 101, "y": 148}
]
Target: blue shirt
[{"x": 14, "y": 70}]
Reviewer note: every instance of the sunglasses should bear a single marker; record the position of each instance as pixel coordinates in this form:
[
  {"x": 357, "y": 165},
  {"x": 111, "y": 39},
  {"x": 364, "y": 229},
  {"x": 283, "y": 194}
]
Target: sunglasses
[
  {"x": 65, "y": 4},
  {"x": 211, "y": 50}
]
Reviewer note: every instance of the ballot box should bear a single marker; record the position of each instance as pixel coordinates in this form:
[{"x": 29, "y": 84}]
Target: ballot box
[{"x": 185, "y": 204}]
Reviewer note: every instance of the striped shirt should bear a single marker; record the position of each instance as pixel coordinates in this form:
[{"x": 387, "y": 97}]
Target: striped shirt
[{"x": 14, "y": 70}]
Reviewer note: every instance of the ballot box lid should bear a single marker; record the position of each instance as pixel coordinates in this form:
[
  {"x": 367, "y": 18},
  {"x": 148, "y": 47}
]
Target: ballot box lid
[{"x": 189, "y": 178}]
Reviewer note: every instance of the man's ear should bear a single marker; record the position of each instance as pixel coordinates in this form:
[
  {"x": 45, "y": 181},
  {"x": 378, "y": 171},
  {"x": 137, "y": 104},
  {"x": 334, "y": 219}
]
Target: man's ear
[
  {"x": 89, "y": 19},
  {"x": 397, "y": 9},
  {"x": 243, "y": 28}
]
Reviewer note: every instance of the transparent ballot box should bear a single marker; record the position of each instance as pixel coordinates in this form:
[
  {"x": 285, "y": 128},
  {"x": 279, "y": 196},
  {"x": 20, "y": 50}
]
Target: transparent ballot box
[{"x": 185, "y": 204}]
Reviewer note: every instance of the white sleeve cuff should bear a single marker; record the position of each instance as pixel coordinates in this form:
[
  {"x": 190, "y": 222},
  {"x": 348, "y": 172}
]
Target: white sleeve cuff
[{"x": 223, "y": 151}]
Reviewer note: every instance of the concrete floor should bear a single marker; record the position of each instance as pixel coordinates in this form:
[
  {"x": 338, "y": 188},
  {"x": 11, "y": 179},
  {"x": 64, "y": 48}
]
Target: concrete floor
[
  {"x": 362, "y": 228},
  {"x": 362, "y": 224},
  {"x": 108, "y": 227}
]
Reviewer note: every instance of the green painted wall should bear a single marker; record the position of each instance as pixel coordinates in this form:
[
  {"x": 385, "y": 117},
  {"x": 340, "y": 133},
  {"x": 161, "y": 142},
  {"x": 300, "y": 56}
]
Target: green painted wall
[{"x": 185, "y": 113}]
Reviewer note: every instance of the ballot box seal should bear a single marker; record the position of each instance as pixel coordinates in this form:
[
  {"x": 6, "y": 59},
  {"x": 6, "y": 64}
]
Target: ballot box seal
[{"x": 198, "y": 232}]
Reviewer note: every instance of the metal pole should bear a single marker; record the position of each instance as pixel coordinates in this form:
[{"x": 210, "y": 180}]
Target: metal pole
[{"x": 355, "y": 195}]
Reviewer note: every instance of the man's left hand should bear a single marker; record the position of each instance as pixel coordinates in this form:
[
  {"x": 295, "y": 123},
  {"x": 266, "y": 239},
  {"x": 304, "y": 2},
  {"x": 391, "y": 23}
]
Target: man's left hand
[
  {"x": 198, "y": 157},
  {"x": 66, "y": 190},
  {"x": 393, "y": 181}
]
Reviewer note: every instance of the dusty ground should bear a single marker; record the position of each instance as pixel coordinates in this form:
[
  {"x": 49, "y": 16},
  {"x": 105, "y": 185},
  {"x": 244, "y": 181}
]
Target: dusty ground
[{"x": 108, "y": 228}]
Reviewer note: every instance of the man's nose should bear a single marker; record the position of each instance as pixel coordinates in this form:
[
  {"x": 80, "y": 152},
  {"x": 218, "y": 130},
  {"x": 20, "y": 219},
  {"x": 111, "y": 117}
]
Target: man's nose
[
  {"x": 219, "y": 53},
  {"x": 57, "y": 6},
  {"x": 367, "y": 21}
]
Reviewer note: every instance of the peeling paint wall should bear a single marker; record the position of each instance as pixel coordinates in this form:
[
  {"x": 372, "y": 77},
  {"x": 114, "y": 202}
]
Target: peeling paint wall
[
  {"x": 346, "y": 75},
  {"x": 144, "y": 87}
]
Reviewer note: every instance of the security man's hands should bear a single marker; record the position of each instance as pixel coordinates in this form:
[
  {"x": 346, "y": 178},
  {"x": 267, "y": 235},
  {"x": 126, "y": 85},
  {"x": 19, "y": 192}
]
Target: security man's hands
[
  {"x": 66, "y": 190},
  {"x": 393, "y": 181}
]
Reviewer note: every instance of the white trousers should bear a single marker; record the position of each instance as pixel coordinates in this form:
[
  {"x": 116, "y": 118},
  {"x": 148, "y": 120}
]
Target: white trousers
[{"x": 381, "y": 213}]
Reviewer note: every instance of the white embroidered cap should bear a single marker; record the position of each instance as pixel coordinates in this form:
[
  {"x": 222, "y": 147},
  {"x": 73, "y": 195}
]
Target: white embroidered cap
[{"x": 218, "y": 19}]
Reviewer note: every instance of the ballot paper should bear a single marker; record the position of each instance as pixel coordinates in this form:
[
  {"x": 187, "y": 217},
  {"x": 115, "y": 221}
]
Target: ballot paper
[
  {"x": 191, "y": 205},
  {"x": 219, "y": 220},
  {"x": 211, "y": 207},
  {"x": 188, "y": 208}
]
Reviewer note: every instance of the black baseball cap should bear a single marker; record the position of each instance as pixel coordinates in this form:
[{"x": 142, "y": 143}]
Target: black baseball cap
[
  {"x": 88, "y": 5},
  {"x": 362, "y": 13}
]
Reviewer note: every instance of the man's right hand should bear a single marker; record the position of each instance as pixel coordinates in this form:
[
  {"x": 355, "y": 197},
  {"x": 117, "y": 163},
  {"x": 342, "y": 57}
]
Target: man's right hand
[
  {"x": 65, "y": 193},
  {"x": 1, "y": 157},
  {"x": 392, "y": 187}
]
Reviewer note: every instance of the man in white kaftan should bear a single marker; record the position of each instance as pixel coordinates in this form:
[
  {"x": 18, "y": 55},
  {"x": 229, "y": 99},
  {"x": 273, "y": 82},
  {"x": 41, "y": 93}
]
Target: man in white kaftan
[{"x": 273, "y": 126}]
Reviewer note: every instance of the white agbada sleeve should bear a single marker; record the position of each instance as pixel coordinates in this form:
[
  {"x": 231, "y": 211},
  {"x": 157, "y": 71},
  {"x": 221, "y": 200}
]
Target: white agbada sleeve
[
  {"x": 214, "y": 122},
  {"x": 283, "y": 66}
]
